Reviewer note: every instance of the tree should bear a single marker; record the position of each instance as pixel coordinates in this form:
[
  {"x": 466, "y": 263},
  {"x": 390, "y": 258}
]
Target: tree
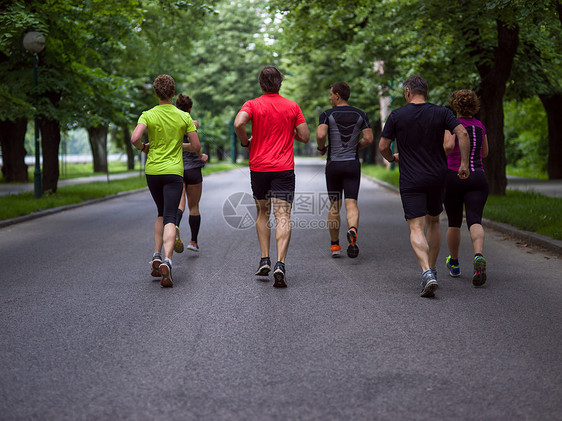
[
  {"x": 79, "y": 75},
  {"x": 537, "y": 72},
  {"x": 223, "y": 67},
  {"x": 463, "y": 44},
  {"x": 16, "y": 90}
]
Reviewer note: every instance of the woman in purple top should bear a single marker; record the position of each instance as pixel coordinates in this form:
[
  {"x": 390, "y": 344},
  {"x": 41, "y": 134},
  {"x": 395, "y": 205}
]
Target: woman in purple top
[{"x": 471, "y": 192}]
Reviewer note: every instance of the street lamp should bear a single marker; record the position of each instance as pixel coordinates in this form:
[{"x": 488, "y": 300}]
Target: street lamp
[{"x": 34, "y": 42}]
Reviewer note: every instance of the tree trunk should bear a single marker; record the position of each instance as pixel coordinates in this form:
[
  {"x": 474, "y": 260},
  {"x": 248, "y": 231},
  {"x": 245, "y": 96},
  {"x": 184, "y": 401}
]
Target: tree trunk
[
  {"x": 12, "y": 141},
  {"x": 553, "y": 106},
  {"x": 129, "y": 148},
  {"x": 492, "y": 92},
  {"x": 98, "y": 142},
  {"x": 50, "y": 142},
  {"x": 376, "y": 157}
]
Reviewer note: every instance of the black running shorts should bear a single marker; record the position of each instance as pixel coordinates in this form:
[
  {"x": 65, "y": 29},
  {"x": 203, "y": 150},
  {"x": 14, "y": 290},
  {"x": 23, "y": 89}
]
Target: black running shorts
[
  {"x": 166, "y": 191},
  {"x": 423, "y": 200},
  {"x": 278, "y": 184},
  {"x": 343, "y": 176},
  {"x": 192, "y": 176},
  {"x": 471, "y": 192}
]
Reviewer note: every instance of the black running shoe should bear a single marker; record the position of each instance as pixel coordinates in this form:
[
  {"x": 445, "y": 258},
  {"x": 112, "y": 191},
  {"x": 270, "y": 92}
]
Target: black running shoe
[
  {"x": 265, "y": 267},
  {"x": 279, "y": 275},
  {"x": 352, "y": 248}
]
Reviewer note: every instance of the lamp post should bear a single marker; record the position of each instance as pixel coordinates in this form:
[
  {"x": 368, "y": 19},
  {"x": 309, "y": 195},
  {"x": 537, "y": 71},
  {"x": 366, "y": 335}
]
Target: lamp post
[{"x": 34, "y": 42}]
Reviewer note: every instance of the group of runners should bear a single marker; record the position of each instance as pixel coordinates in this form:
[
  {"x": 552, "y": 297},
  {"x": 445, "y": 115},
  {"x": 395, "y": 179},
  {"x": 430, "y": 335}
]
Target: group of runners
[{"x": 439, "y": 156}]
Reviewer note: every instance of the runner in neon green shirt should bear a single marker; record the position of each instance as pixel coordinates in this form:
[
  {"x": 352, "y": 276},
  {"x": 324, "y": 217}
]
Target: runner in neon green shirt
[
  {"x": 164, "y": 168},
  {"x": 166, "y": 126}
]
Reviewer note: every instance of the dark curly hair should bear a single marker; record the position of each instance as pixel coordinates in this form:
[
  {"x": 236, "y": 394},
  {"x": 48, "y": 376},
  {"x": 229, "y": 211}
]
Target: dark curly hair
[
  {"x": 464, "y": 102},
  {"x": 184, "y": 103},
  {"x": 164, "y": 86}
]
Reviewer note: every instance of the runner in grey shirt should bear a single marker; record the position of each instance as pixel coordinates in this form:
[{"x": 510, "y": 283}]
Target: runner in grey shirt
[
  {"x": 192, "y": 186},
  {"x": 348, "y": 130}
]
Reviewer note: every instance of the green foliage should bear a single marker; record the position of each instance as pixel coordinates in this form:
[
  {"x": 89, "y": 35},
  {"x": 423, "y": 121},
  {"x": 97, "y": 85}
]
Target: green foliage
[
  {"x": 526, "y": 134},
  {"x": 223, "y": 67}
]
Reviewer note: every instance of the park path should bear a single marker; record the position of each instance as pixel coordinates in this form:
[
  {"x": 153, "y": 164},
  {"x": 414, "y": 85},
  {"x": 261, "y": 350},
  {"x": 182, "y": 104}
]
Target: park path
[{"x": 86, "y": 333}]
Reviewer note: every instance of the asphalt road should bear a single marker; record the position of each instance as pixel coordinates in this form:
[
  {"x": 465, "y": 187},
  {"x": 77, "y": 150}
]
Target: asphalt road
[{"x": 87, "y": 334}]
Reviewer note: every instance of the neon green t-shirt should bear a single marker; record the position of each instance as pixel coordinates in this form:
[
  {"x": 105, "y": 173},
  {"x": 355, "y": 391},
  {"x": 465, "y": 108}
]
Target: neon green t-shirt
[{"x": 166, "y": 126}]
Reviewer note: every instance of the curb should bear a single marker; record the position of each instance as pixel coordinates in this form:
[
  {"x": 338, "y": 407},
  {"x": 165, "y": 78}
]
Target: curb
[
  {"x": 7, "y": 222},
  {"x": 531, "y": 238}
]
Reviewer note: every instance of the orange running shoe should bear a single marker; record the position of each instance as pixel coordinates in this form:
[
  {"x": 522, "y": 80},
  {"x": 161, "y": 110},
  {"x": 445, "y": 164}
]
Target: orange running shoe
[{"x": 336, "y": 250}]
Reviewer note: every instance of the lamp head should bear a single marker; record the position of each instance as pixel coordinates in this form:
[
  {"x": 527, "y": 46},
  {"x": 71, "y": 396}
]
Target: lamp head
[{"x": 34, "y": 42}]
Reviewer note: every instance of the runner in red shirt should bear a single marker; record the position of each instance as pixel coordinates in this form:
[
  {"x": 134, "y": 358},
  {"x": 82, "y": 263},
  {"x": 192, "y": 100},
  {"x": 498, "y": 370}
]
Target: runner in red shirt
[{"x": 276, "y": 122}]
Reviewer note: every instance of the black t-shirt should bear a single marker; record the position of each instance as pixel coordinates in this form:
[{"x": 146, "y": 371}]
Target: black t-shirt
[
  {"x": 418, "y": 130},
  {"x": 345, "y": 126}
]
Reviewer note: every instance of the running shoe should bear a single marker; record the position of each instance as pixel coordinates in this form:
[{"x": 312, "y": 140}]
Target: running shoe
[
  {"x": 155, "y": 264},
  {"x": 352, "y": 248},
  {"x": 178, "y": 245},
  {"x": 279, "y": 275},
  {"x": 193, "y": 246},
  {"x": 429, "y": 284},
  {"x": 454, "y": 270},
  {"x": 165, "y": 270},
  {"x": 479, "y": 277},
  {"x": 336, "y": 250},
  {"x": 434, "y": 271},
  {"x": 265, "y": 267}
]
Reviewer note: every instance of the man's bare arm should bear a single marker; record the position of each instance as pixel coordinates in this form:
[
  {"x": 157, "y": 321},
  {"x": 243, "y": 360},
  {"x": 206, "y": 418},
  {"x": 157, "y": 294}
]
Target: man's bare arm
[
  {"x": 302, "y": 134},
  {"x": 386, "y": 152},
  {"x": 242, "y": 118},
  {"x": 367, "y": 138}
]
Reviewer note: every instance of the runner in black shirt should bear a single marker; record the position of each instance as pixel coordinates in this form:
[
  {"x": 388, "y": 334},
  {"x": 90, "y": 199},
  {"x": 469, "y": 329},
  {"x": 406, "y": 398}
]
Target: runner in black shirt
[
  {"x": 348, "y": 130},
  {"x": 418, "y": 129}
]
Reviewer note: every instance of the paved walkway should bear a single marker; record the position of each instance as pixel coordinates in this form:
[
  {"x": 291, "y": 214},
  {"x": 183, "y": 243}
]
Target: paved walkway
[
  {"x": 551, "y": 188},
  {"x": 547, "y": 187}
]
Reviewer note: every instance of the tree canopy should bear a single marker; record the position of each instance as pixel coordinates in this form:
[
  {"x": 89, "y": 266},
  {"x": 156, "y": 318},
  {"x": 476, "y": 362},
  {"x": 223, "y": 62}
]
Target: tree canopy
[{"x": 101, "y": 58}]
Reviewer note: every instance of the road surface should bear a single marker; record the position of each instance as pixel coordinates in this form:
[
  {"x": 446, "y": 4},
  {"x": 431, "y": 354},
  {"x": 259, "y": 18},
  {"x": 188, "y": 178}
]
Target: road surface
[{"x": 87, "y": 334}]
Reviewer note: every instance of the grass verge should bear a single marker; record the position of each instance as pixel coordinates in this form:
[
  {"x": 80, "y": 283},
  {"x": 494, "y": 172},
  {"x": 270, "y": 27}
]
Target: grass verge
[
  {"x": 15, "y": 205},
  {"x": 529, "y": 211},
  {"x": 524, "y": 210}
]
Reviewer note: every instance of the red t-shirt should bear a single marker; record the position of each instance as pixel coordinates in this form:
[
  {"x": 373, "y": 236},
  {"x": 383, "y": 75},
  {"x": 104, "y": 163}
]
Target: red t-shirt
[{"x": 274, "y": 119}]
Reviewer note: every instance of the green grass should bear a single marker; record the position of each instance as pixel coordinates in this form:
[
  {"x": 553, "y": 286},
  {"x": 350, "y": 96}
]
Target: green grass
[
  {"x": 529, "y": 211},
  {"x": 25, "y": 203},
  {"x": 76, "y": 170},
  {"x": 526, "y": 172},
  {"x": 524, "y": 210},
  {"x": 382, "y": 174}
]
